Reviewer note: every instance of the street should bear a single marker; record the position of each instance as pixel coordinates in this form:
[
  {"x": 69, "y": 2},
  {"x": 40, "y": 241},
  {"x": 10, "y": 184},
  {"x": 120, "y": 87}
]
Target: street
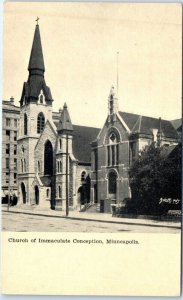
[{"x": 27, "y": 222}]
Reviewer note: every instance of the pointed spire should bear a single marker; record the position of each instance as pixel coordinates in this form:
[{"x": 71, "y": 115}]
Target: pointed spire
[
  {"x": 36, "y": 62},
  {"x": 112, "y": 101},
  {"x": 65, "y": 124}
]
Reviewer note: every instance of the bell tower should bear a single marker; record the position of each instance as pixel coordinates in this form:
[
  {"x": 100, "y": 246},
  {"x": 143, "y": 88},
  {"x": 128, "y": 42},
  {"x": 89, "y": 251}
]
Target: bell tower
[
  {"x": 35, "y": 109},
  {"x": 64, "y": 160}
]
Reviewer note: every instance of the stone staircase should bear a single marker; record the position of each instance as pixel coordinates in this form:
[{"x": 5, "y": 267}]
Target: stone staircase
[{"x": 91, "y": 208}]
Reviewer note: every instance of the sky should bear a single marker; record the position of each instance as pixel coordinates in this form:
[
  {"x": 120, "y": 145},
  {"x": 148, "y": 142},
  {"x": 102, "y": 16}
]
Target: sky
[{"x": 80, "y": 43}]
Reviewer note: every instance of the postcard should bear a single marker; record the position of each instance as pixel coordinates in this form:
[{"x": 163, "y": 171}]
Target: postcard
[{"x": 91, "y": 149}]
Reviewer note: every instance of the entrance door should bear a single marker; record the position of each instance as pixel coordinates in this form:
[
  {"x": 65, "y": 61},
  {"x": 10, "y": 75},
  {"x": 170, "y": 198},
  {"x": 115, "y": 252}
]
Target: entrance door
[
  {"x": 23, "y": 192},
  {"x": 112, "y": 184},
  {"x": 36, "y": 194}
]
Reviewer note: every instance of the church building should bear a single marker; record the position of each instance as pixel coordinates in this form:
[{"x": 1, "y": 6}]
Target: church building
[
  {"x": 58, "y": 160},
  {"x": 54, "y": 155},
  {"x": 117, "y": 145}
]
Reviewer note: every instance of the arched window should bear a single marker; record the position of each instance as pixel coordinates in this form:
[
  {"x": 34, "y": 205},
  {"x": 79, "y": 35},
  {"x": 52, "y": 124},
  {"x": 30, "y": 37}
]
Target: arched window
[
  {"x": 25, "y": 124},
  {"x": 59, "y": 191},
  {"x": 112, "y": 182},
  {"x": 60, "y": 166},
  {"x": 41, "y": 97},
  {"x": 112, "y": 148},
  {"x": 83, "y": 176},
  {"x": 48, "y": 158},
  {"x": 40, "y": 122},
  {"x": 24, "y": 165},
  {"x": 47, "y": 193},
  {"x": 60, "y": 144},
  {"x": 38, "y": 166}
]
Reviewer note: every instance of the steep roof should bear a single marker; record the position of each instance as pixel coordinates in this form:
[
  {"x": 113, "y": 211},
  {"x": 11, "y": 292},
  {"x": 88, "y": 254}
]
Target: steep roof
[
  {"x": 36, "y": 60},
  {"x": 65, "y": 123},
  {"x": 82, "y": 137},
  {"x": 143, "y": 124}
]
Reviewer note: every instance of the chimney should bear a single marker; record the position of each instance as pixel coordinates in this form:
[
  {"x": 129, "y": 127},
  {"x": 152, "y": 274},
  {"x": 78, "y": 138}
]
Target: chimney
[{"x": 12, "y": 100}]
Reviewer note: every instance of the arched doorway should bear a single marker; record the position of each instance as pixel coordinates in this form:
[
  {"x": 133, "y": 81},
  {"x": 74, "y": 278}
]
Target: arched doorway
[
  {"x": 36, "y": 189},
  {"x": 112, "y": 184},
  {"x": 48, "y": 158},
  {"x": 23, "y": 192}
]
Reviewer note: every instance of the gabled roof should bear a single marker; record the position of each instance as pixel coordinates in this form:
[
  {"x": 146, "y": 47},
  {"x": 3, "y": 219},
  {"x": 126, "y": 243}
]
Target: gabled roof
[
  {"x": 82, "y": 137},
  {"x": 145, "y": 125}
]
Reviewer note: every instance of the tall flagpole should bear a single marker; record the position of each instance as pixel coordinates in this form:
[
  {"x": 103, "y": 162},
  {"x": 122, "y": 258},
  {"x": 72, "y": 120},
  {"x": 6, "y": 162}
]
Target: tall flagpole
[{"x": 117, "y": 84}]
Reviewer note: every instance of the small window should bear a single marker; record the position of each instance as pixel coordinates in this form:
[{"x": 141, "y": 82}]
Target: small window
[
  {"x": 25, "y": 124},
  {"x": 15, "y": 122},
  {"x": 15, "y": 177},
  {"x": 83, "y": 176},
  {"x": 15, "y": 149},
  {"x": 7, "y": 148},
  {"x": 7, "y": 177},
  {"x": 38, "y": 166},
  {"x": 8, "y": 133},
  {"x": 7, "y": 163},
  {"x": 7, "y": 122},
  {"x": 15, "y": 135},
  {"x": 60, "y": 144},
  {"x": 48, "y": 193},
  {"x": 59, "y": 191},
  {"x": 41, "y": 99},
  {"x": 15, "y": 163},
  {"x": 24, "y": 165}
]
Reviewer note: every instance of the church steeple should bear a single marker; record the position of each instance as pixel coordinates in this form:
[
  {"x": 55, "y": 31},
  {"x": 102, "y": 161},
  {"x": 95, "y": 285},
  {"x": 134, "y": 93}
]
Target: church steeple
[
  {"x": 112, "y": 101},
  {"x": 35, "y": 88},
  {"x": 36, "y": 61}
]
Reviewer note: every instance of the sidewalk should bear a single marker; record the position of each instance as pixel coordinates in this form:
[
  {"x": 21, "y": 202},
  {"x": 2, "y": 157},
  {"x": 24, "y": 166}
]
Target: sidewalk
[{"x": 85, "y": 216}]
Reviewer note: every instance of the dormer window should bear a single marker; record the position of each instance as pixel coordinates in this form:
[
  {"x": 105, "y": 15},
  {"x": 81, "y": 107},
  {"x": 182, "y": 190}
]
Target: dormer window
[{"x": 41, "y": 97}]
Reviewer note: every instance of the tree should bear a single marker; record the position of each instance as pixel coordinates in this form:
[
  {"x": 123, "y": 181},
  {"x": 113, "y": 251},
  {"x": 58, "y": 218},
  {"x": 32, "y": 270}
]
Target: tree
[{"x": 155, "y": 174}]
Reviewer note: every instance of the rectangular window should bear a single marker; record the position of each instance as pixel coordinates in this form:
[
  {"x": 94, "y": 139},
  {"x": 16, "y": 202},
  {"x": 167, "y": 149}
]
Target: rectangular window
[
  {"x": 108, "y": 155},
  {"x": 15, "y": 135},
  {"x": 7, "y": 122},
  {"x": 117, "y": 154},
  {"x": 8, "y": 133},
  {"x": 113, "y": 155},
  {"x": 8, "y": 149},
  {"x": 15, "y": 149},
  {"x": 15, "y": 123},
  {"x": 7, "y": 177},
  {"x": 15, "y": 177},
  {"x": 15, "y": 163},
  {"x": 7, "y": 163}
]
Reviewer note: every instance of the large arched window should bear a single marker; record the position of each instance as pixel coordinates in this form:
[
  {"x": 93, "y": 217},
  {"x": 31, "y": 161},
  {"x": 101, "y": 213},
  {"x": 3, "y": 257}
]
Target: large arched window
[
  {"x": 48, "y": 158},
  {"x": 25, "y": 124},
  {"x": 112, "y": 141},
  {"x": 40, "y": 122}
]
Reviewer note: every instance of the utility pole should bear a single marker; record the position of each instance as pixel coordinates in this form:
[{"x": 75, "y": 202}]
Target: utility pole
[
  {"x": 67, "y": 191},
  {"x": 9, "y": 186}
]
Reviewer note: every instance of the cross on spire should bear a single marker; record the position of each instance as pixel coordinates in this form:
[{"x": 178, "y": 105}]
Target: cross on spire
[{"x": 37, "y": 20}]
